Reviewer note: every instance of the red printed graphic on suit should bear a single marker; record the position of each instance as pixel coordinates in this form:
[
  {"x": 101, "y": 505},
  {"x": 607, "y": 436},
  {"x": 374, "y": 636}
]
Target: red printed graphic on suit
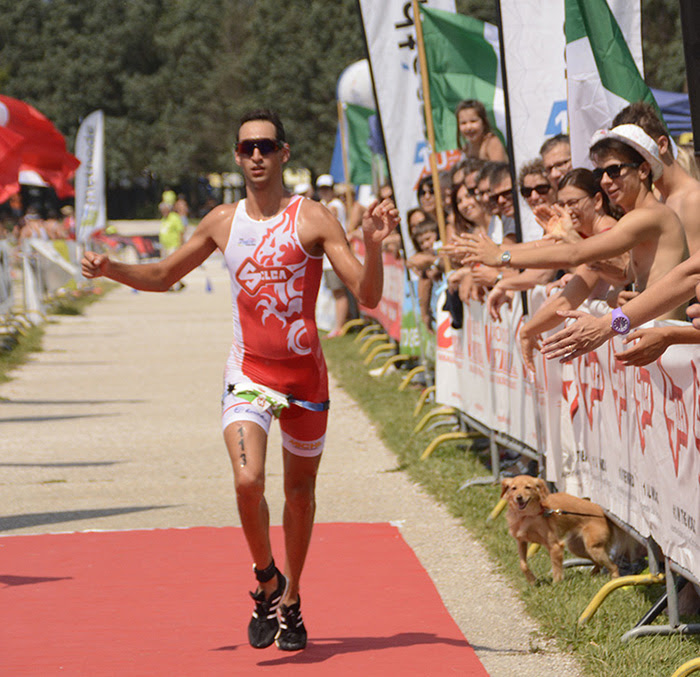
[{"x": 274, "y": 285}]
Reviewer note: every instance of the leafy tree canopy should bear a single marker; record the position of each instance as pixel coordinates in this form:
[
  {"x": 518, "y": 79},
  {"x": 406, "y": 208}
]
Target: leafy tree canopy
[{"x": 174, "y": 76}]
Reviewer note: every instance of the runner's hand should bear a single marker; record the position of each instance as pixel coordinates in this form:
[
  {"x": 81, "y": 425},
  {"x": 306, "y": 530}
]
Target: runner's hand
[
  {"x": 379, "y": 219},
  {"x": 93, "y": 265}
]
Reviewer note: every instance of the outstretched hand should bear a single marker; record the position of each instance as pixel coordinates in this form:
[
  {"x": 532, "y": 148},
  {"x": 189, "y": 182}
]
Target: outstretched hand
[
  {"x": 496, "y": 298},
  {"x": 481, "y": 248},
  {"x": 379, "y": 219},
  {"x": 93, "y": 264},
  {"x": 584, "y": 335},
  {"x": 528, "y": 345},
  {"x": 650, "y": 345}
]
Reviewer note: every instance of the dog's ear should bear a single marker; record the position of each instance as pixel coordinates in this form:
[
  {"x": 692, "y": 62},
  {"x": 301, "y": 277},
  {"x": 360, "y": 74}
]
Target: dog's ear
[
  {"x": 505, "y": 485},
  {"x": 542, "y": 489}
]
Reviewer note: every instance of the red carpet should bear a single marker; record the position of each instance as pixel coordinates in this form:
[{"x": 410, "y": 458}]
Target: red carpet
[{"x": 175, "y": 602}]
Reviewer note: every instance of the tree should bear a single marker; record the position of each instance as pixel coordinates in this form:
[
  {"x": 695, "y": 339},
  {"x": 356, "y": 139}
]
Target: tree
[{"x": 295, "y": 54}]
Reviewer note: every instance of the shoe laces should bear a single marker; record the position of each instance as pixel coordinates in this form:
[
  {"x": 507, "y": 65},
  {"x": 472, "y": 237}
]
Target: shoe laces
[{"x": 290, "y": 616}]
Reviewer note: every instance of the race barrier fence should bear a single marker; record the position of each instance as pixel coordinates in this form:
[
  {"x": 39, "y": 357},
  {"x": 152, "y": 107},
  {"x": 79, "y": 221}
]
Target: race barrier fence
[
  {"x": 628, "y": 438},
  {"x": 31, "y": 275}
]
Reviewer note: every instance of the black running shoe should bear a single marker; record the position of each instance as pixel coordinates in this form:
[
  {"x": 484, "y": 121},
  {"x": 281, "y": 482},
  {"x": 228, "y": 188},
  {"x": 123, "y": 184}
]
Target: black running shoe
[
  {"x": 291, "y": 635},
  {"x": 264, "y": 625}
]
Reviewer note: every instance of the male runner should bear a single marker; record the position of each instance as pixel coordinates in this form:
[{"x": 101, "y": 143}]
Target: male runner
[{"x": 273, "y": 244}]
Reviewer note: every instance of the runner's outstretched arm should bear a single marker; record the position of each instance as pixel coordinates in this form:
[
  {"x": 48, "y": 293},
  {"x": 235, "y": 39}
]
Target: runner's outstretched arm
[{"x": 161, "y": 275}]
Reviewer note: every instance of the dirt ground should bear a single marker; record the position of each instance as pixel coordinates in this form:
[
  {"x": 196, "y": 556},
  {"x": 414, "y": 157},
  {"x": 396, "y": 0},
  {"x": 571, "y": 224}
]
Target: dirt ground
[{"x": 116, "y": 425}]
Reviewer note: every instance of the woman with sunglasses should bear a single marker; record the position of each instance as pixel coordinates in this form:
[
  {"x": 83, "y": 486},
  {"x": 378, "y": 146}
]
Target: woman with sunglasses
[
  {"x": 470, "y": 215},
  {"x": 474, "y": 135},
  {"x": 534, "y": 185},
  {"x": 426, "y": 196},
  {"x": 582, "y": 211},
  {"x": 586, "y": 206},
  {"x": 626, "y": 160}
]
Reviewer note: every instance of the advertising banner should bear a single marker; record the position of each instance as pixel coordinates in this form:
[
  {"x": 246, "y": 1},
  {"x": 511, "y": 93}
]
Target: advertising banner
[{"x": 628, "y": 438}]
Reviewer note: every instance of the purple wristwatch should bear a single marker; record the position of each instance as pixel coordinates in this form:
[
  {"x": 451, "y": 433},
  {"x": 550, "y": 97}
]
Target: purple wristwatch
[{"x": 620, "y": 322}]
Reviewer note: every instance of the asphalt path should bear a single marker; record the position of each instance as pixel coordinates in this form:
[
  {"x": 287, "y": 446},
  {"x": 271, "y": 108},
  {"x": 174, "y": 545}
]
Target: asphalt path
[{"x": 116, "y": 425}]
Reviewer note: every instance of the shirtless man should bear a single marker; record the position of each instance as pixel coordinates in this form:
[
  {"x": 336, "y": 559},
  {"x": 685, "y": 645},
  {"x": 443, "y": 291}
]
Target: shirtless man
[
  {"x": 627, "y": 160},
  {"x": 273, "y": 245},
  {"x": 679, "y": 190}
]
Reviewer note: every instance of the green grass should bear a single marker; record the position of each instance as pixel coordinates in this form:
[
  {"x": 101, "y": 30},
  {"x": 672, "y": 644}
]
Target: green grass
[
  {"x": 556, "y": 607},
  {"x": 29, "y": 341}
]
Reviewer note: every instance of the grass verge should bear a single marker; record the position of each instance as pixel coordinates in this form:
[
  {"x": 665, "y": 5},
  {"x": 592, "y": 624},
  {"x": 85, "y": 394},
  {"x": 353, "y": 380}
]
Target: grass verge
[
  {"x": 30, "y": 340},
  {"x": 557, "y": 607}
]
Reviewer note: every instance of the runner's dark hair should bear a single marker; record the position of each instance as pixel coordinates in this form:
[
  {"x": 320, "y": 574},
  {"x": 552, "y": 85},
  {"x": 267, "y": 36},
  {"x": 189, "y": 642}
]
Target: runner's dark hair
[{"x": 268, "y": 115}]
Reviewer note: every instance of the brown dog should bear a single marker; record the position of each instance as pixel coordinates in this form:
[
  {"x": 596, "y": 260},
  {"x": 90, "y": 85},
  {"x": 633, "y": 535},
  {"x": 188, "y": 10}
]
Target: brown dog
[{"x": 536, "y": 516}]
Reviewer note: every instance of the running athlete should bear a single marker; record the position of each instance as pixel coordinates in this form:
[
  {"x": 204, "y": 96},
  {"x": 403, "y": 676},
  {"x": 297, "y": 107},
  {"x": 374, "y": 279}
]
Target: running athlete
[{"x": 273, "y": 244}]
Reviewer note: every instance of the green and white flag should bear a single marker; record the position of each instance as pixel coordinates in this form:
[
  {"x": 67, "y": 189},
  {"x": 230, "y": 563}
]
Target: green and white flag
[
  {"x": 463, "y": 58},
  {"x": 359, "y": 153},
  {"x": 602, "y": 74}
]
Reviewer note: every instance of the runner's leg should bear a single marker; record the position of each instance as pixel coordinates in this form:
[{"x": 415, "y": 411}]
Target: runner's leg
[
  {"x": 246, "y": 443},
  {"x": 299, "y": 509}
]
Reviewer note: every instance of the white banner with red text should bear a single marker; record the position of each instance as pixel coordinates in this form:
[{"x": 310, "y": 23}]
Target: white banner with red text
[{"x": 628, "y": 438}]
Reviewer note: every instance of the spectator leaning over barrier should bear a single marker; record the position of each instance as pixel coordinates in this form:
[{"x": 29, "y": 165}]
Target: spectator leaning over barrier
[
  {"x": 471, "y": 216},
  {"x": 534, "y": 186},
  {"x": 679, "y": 190},
  {"x": 626, "y": 160},
  {"x": 589, "y": 216},
  {"x": 474, "y": 135},
  {"x": 556, "y": 157},
  {"x": 495, "y": 187}
]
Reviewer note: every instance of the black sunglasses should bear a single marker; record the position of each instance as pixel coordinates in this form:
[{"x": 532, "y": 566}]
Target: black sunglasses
[
  {"x": 541, "y": 189},
  {"x": 505, "y": 194},
  {"x": 613, "y": 171},
  {"x": 426, "y": 190},
  {"x": 265, "y": 146}
]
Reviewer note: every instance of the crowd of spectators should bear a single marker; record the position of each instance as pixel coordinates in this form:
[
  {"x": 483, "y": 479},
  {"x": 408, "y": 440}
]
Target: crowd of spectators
[{"x": 607, "y": 233}]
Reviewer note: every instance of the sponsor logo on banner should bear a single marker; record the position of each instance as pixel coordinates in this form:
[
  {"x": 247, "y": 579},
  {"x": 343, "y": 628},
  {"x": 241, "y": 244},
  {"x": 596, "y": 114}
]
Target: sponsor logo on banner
[
  {"x": 696, "y": 406},
  {"x": 569, "y": 391},
  {"x": 618, "y": 384},
  {"x": 592, "y": 383},
  {"x": 676, "y": 416},
  {"x": 444, "y": 334},
  {"x": 644, "y": 403}
]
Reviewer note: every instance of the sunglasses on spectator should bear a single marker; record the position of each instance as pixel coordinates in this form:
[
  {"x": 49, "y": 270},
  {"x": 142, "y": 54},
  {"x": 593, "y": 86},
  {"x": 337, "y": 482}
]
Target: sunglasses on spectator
[
  {"x": 265, "y": 146},
  {"x": 472, "y": 192},
  {"x": 427, "y": 190},
  {"x": 541, "y": 189},
  {"x": 613, "y": 171},
  {"x": 505, "y": 194},
  {"x": 557, "y": 165}
]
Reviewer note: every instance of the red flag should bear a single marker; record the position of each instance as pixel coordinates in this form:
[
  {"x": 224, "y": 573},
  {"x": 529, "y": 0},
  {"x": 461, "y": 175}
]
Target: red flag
[{"x": 28, "y": 140}]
